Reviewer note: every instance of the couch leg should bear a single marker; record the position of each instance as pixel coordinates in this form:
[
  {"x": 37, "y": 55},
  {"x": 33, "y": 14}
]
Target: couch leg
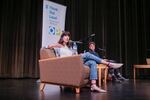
[
  {"x": 61, "y": 88},
  {"x": 77, "y": 90},
  {"x": 42, "y": 85}
]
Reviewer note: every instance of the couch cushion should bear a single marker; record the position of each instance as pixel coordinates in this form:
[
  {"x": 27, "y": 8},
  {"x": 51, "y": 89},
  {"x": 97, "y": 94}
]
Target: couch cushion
[{"x": 47, "y": 53}]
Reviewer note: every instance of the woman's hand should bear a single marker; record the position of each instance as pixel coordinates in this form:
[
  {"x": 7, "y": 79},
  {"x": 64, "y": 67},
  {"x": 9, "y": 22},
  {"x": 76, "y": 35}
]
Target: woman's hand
[{"x": 49, "y": 46}]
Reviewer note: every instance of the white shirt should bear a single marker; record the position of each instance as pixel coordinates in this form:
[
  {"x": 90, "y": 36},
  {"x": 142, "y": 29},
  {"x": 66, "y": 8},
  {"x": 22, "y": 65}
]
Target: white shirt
[{"x": 65, "y": 51}]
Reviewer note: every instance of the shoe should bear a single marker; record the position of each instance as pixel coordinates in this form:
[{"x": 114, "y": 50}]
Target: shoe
[
  {"x": 120, "y": 77},
  {"x": 97, "y": 89},
  {"x": 115, "y": 65}
]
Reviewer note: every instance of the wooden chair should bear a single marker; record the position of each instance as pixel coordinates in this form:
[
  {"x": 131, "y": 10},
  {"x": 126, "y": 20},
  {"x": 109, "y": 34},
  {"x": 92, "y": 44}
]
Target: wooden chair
[
  {"x": 100, "y": 68},
  {"x": 136, "y": 66}
]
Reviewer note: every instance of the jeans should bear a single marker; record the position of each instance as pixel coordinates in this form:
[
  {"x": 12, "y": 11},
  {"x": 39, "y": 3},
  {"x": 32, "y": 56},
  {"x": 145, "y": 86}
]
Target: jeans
[
  {"x": 91, "y": 61},
  {"x": 88, "y": 56},
  {"x": 93, "y": 69}
]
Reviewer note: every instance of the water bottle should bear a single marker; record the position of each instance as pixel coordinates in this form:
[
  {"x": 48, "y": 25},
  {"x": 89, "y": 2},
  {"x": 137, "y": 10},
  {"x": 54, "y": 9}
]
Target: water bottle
[{"x": 75, "y": 48}]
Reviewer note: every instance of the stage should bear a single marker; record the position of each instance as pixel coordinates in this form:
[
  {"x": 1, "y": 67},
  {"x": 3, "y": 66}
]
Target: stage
[{"x": 28, "y": 89}]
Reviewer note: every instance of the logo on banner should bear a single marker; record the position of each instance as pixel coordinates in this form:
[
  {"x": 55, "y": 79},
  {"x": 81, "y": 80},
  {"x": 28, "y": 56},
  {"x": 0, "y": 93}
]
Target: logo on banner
[{"x": 54, "y": 31}]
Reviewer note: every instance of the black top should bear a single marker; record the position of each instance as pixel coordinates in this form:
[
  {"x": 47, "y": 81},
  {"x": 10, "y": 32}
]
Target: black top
[{"x": 94, "y": 53}]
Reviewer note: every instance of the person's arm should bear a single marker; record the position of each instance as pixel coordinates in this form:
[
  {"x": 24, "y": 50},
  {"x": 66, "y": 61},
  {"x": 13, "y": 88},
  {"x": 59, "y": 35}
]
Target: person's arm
[{"x": 55, "y": 45}]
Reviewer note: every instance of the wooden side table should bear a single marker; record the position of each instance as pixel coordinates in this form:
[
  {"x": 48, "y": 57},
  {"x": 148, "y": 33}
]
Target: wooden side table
[
  {"x": 100, "y": 67},
  {"x": 139, "y": 67}
]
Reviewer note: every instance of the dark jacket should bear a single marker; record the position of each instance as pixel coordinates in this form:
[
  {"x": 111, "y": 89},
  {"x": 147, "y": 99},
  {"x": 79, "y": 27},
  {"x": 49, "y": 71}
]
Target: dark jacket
[{"x": 94, "y": 53}]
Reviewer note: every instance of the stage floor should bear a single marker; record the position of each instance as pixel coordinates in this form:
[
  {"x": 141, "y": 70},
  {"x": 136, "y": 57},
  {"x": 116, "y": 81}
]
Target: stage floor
[{"x": 28, "y": 89}]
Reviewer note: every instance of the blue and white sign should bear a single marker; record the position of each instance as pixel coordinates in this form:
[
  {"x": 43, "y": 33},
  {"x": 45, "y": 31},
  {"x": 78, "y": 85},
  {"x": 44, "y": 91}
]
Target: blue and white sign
[{"x": 53, "y": 22}]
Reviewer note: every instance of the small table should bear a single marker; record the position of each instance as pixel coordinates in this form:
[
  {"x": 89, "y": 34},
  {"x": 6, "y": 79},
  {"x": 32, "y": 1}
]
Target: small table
[
  {"x": 100, "y": 67},
  {"x": 139, "y": 66}
]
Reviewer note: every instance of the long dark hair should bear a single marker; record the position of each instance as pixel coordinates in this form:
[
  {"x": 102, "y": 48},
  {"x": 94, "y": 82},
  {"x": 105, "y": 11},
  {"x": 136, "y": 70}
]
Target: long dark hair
[{"x": 64, "y": 33}]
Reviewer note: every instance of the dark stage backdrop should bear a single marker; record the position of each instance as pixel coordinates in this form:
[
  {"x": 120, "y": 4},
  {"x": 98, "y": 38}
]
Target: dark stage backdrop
[{"x": 121, "y": 27}]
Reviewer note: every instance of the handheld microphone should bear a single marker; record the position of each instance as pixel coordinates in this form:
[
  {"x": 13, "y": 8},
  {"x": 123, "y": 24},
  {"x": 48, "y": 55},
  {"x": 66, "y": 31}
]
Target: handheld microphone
[
  {"x": 92, "y": 35},
  {"x": 101, "y": 49},
  {"x": 79, "y": 42}
]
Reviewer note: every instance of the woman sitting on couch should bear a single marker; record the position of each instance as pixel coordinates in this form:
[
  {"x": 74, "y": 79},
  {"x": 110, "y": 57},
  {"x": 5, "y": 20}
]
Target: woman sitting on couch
[{"x": 63, "y": 45}]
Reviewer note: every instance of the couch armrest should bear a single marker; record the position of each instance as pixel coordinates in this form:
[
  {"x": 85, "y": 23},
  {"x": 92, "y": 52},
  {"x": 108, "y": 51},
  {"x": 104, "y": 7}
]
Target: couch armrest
[{"x": 64, "y": 70}]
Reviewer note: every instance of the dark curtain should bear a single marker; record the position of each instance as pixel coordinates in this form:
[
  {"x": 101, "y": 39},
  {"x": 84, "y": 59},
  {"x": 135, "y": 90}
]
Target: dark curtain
[
  {"x": 121, "y": 27},
  {"x": 20, "y": 38}
]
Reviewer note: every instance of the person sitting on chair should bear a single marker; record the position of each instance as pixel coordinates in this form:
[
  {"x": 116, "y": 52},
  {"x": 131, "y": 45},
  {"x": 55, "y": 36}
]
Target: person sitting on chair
[
  {"x": 88, "y": 58},
  {"x": 114, "y": 73}
]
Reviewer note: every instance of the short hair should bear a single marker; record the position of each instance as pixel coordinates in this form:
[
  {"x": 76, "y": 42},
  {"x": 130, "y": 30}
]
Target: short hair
[{"x": 91, "y": 43}]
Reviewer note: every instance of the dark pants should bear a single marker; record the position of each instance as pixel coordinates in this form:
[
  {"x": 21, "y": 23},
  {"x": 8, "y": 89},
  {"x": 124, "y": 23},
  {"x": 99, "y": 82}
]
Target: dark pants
[{"x": 113, "y": 71}]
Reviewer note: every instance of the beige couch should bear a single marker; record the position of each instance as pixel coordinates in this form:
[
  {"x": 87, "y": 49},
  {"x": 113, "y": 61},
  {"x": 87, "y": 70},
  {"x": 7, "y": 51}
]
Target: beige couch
[{"x": 64, "y": 71}]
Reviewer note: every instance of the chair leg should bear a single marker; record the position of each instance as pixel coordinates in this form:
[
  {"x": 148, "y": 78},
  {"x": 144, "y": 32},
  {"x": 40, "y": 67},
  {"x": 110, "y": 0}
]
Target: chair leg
[
  {"x": 77, "y": 90},
  {"x": 106, "y": 73},
  {"x": 42, "y": 85},
  {"x": 99, "y": 76},
  {"x": 134, "y": 72},
  {"x": 61, "y": 88}
]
